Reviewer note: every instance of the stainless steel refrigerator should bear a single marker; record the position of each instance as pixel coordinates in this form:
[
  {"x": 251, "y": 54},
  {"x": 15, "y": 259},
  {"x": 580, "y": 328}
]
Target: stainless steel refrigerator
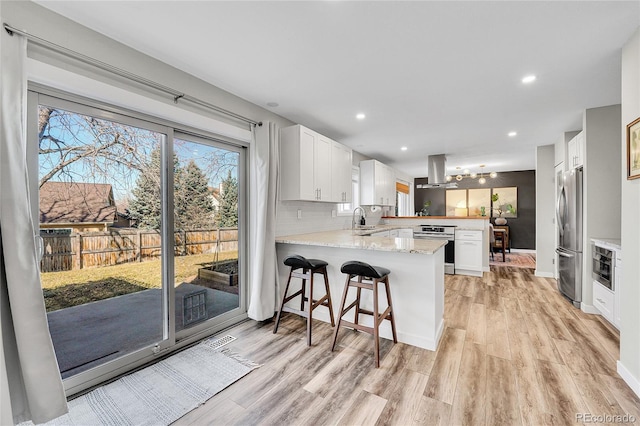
[{"x": 569, "y": 250}]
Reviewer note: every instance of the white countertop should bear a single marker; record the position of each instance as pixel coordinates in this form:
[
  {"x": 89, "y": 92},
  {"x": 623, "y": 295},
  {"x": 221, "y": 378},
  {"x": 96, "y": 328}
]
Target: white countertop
[
  {"x": 356, "y": 240},
  {"x": 607, "y": 242}
]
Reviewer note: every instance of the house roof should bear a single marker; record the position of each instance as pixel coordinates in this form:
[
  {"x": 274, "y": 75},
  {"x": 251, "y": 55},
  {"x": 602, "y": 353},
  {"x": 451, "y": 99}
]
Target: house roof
[{"x": 74, "y": 202}]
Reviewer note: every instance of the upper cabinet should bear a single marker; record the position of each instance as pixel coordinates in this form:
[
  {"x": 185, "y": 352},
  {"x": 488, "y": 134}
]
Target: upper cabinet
[
  {"x": 575, "y": 152},
  {"x": 307, "y": 168},
  {"x": 341, "y": 163},
  {"x": 377, "y": 184}
]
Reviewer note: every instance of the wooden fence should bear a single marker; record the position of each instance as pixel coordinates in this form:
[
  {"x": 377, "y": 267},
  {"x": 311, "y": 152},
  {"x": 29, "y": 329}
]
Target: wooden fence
[{"x": 117, "y": 246}]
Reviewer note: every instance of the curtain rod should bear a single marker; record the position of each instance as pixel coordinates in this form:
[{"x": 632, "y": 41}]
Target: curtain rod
[{"x": 177, "y": 95}]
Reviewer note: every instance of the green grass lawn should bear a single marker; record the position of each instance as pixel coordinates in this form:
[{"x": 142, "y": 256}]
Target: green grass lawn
[{"x": 70, "y": 288}]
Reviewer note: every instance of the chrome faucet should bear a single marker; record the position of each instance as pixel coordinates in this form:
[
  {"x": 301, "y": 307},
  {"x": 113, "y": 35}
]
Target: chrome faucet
[{"x": 353, "y": 217}]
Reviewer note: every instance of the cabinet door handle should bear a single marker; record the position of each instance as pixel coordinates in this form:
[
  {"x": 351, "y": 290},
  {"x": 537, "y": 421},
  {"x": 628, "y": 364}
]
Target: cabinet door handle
[{"x": 600, "y": 300}]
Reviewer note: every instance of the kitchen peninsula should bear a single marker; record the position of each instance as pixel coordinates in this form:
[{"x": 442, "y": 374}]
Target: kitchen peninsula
[{"x": 417, "y": 277}]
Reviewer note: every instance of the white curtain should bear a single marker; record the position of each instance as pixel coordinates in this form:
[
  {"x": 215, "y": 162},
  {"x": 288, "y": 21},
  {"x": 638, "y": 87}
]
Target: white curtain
[
  {"x": 31, "y": 387},
  {"x": 263, "y": 285}
]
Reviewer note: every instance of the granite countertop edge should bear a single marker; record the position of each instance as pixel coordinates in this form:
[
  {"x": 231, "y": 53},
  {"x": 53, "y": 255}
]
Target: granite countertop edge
[{"x": 347, "y": 239}]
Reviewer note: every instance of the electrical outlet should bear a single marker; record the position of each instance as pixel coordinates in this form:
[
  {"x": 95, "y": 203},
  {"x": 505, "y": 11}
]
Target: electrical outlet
[{"x": 299, "y": 213}]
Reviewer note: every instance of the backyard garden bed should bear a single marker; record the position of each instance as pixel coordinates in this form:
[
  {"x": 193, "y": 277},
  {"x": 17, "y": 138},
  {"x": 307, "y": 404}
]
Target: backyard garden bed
[{"x": 224, "y": 273}]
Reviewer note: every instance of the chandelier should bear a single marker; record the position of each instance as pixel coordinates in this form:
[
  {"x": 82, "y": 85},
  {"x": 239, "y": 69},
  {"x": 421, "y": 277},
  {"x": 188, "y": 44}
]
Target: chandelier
[{"x": 462, "y": 174}]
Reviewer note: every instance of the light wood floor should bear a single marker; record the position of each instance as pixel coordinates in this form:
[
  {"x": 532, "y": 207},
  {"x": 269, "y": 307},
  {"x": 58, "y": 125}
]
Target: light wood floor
[{"x": 513, "y": 352}]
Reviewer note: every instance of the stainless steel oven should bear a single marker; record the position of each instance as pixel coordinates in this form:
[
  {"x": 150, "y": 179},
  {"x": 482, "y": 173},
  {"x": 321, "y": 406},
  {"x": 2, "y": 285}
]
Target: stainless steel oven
[
  {"x": 603, "y": 263},
  {"x": 440, "y": 233}
]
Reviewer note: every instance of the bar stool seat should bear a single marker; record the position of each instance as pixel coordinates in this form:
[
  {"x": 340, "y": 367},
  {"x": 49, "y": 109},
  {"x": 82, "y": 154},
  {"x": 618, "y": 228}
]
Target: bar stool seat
[
  {"x": 361, "y": 275},
  {"x": 309, "y": 267}
]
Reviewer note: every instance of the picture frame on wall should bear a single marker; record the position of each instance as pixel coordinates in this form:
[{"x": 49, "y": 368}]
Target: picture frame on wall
[
  {"x": 505, "y": 202},
  {"x": 633, "y": 149}
]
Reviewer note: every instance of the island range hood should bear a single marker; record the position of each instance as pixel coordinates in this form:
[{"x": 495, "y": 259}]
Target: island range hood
[{"x": 438, "y": 172}]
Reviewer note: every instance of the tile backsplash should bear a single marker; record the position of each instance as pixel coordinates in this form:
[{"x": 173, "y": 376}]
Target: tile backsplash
[{"x": 316, "y": 217}]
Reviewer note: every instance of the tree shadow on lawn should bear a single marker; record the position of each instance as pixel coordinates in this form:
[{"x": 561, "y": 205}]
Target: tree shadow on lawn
[{"x": 78, "y": 294}]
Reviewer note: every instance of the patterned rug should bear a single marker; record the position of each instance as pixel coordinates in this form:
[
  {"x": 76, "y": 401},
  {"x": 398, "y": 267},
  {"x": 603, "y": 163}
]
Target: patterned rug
[
  {"x": 163, "y": 392},
  {"x": 515, "y": 260}
]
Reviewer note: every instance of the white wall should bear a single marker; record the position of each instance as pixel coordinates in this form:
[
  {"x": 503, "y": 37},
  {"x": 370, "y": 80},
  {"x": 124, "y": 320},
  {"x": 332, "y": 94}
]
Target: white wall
[
  {"x": 629, "y": 364},
  {"x": 601, "y": 186},
  {"x": 545, "y": 211}
]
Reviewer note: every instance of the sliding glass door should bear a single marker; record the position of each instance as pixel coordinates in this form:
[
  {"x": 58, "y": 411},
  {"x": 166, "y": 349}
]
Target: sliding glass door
[
  {"x": 141, "y": 235},
  {"x": 207, "y": 193}
]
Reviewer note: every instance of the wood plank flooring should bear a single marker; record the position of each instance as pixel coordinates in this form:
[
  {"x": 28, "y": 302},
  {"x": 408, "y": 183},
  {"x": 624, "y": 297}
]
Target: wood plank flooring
[{"x": 513, "y": 352}]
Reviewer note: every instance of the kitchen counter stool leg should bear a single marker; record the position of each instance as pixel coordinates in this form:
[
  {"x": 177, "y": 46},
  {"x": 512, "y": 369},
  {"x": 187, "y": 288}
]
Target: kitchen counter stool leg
[
  {"x": 309, "y": 268},
  {"x": 369, "y": 278}
]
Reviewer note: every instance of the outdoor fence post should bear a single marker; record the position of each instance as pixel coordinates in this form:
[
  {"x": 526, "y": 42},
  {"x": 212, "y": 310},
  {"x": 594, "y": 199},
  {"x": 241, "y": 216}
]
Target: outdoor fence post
[
  {"x": 139, "y": 245},
  {"x": 79, "y": 261},
  {"x": 184, "y": 243}
]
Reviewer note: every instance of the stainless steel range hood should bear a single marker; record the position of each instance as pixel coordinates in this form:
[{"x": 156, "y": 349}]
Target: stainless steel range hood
[{"x": 437, "y": 173}]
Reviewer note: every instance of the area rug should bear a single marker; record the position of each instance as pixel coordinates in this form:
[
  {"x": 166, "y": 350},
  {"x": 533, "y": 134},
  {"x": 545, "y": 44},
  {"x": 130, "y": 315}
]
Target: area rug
[
  {"x": 163, "y": 392},
  {"x": 515, "y": 260}
]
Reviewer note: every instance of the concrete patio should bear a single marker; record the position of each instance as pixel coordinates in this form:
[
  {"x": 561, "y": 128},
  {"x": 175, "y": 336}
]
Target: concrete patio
[{"x": 88, "y": 335}]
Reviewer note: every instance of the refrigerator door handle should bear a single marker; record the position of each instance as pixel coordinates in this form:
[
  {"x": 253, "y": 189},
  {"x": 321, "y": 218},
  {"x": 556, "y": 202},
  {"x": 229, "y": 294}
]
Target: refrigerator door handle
[
  {"x": 558, "y": 218},
  {"x": 563, "y": 254}
]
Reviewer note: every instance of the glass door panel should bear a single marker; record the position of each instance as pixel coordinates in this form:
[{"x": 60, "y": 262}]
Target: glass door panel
[
  {"x": 206, "y": 232},
  {"x": 100, "y": 209}
]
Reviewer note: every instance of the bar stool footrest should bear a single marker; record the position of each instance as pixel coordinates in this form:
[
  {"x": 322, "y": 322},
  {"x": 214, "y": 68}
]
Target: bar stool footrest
[{"x": 348, "y": 324}]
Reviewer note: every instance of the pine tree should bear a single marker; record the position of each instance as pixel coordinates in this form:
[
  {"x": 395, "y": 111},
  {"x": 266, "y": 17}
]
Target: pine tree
[
  {"x": 196, "y": 206},
  {"x": 227, "y": 213},
  {"x": 145, "y": 206}
]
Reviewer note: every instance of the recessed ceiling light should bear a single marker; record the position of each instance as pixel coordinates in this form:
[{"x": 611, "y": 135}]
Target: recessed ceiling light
[
  {"x": 272, "y": 104},
  {"x": 512, "y": 134},
  {"x": 360, "y": 116},
  {"x": 404, "y": 148},
  {"x": 529, "y": 79}
]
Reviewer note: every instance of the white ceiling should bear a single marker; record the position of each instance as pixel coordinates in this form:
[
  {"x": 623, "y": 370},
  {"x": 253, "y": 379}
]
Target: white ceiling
[{"x": 437, "y": 77}]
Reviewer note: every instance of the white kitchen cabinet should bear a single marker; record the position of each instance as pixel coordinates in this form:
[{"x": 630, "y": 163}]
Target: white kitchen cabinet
[
  {"x": 306, "y": 166},
  {"x": 604, "y": 301},
  {"x": 322, "y": 168},
  {"x": 377, "y": 184},
  {"x": 468, "y": 252},
  {"x": 341, "y": 164},
  {"x": 575, "y": 151},
  {"x": 394, "y": 233}
]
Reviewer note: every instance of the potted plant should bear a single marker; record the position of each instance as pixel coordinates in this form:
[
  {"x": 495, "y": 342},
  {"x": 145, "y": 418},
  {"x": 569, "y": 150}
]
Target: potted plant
[
  {"x": 425, "y": 208},
  {"x": 498, "y": 209}
]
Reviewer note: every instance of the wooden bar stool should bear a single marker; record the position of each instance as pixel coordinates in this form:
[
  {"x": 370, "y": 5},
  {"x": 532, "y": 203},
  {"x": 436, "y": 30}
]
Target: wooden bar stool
[
  {"x": 362, "y": 275},
  {"x": 309, "y": 267}
]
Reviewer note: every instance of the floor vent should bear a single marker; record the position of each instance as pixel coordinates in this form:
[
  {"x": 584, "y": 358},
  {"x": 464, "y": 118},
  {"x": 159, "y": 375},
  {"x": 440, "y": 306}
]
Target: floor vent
[{"x": 218, "y": 343}]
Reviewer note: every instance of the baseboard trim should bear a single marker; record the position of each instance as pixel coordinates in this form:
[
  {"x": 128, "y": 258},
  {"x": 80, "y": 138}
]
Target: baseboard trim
[
  {"x": 629, "y": 379},
  {"x": 468, "y": 272},
  {"x": 589, "y": 309},
  {"x": 544, "y": 274}
]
